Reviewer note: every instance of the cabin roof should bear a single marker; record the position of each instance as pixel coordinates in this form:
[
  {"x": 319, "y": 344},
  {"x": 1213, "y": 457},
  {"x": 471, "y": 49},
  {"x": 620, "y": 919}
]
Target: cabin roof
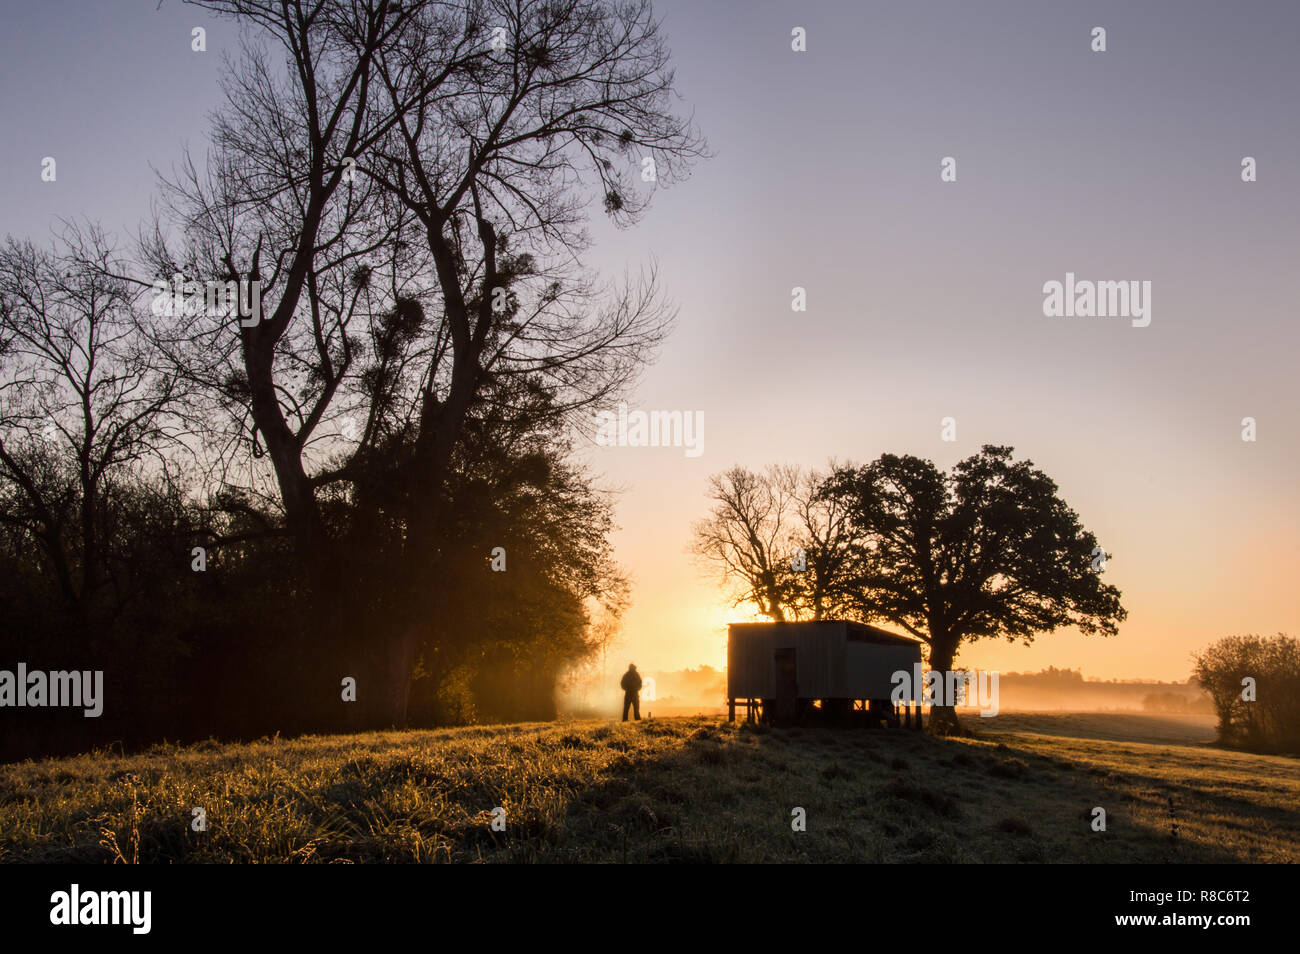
[{"x": 857, "y": 632}]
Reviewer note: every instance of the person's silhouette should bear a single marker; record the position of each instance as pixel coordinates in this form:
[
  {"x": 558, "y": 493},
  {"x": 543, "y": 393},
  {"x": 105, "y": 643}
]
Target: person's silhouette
[{"x": 631, "y": 685}]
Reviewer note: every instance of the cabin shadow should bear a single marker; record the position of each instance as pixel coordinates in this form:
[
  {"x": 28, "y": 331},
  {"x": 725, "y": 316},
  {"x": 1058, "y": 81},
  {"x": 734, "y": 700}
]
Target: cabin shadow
[{"x": 725, "y": 796}]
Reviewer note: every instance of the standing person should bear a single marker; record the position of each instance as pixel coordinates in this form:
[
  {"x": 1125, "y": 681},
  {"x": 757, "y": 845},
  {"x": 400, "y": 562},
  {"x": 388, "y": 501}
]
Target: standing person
[{"x": 631, "y": 685}]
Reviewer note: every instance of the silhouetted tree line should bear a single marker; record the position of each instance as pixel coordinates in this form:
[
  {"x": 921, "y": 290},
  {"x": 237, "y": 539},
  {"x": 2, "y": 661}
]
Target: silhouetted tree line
[
  {"x": 400, "y": 192},
  {"x": 1050, "y": 678}
]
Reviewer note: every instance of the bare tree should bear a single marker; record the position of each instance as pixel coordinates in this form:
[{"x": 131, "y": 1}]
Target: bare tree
[
  {"x": 278, "y": 207},
  {"x": 752, "y": 535},
  {"x": 782, "y": 544},
  {"x": 81, "y": 403},
  {"x": 491, "y": 164},
  {"x": 408, "y": 184},
  {"x": 826, "y": 539}
]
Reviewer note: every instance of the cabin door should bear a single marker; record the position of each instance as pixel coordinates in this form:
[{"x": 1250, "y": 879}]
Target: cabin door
[{"x": 787, "y": 684}]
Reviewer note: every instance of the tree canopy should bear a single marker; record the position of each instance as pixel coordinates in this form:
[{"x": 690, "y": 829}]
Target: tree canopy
[{"x": 987, "y": 550}]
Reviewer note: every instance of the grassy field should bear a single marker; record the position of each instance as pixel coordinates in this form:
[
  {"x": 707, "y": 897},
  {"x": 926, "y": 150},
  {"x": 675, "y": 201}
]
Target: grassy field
[{"x": 671, "y": 790}]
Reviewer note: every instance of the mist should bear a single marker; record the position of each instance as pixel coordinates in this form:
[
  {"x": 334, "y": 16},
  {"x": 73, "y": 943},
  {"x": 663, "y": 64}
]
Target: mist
[{"x": 703, "y": 690}]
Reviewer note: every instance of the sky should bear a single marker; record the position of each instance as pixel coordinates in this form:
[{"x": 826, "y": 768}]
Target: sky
[{"x": 924, "y": 297}]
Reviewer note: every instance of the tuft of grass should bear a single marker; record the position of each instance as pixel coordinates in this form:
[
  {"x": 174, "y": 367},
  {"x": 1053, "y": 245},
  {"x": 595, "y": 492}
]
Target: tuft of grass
[
  {"x": 834, "y": 771},
  {"x": 1008, "y": 768},
  {"x": 913, "y": 794},
  {"x": 710, "y": 755},
  {"x": 1013, "y": 826}
]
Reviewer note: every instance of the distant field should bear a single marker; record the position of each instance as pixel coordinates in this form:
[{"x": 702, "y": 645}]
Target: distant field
[
  {"x": 689, "y": 789},
  {"x": 1109, "y": 726}
]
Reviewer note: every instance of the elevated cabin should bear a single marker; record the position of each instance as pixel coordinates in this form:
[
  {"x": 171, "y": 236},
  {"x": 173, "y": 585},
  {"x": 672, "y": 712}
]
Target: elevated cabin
[{"x": 784, "y": 671}]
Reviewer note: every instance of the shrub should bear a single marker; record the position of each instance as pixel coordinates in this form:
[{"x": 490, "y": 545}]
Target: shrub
[{"x": 1271, "y": 720}]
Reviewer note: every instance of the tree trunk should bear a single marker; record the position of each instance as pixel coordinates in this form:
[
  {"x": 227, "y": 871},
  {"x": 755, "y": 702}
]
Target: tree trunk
[
  {"x": 440, "y": 430},
  {"x": 943, "y": 717}
]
